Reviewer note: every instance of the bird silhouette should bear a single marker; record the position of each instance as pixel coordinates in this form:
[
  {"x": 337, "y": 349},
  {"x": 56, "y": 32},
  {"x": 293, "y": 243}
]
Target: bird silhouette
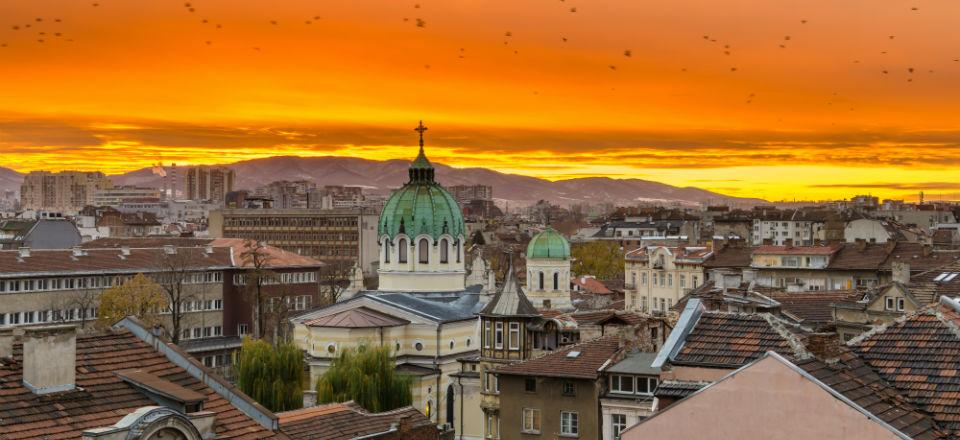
[
  {"x": 573, "y": 9},
  {"x": 421, "y": 23},
  {"x": 627, "y": 53}
]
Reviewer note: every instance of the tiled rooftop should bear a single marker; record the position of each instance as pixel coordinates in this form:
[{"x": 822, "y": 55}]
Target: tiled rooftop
[
  {"x": 579, "y": 361},
  {"x": 103, "y": 397},
  {"x": 814, "y": 308},
  {"x": 919, "y": 355},
  {"x": 731, "y": 340},
  {"x": 343, "y": 421},
  {"x": 849, "y": 376}
]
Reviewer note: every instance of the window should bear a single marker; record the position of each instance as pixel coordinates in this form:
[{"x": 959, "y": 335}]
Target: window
[
  {"x": 530, "y": 385},
  {"x": 643, "y": 278},
  {"x": 418, "y": 346},
  {"x": 646, "y": 385},
  {"x": 900, "y": 304},
  {"x": 683, "y": 280},
  {"x": 643, "y": 303},
  {"x": 424, "y": 251},
  {"x": 531, "y": 420},
  {"x": 444, "y": 251},
  {"x": 618, "y": 423},
  {"x": 386, "y": 250},
  {"x": 487, "y": 334},
  {"x": 541, "y": 281},
  {"x": 402, "y": 250},
  {"x": 498, "y": 336},
  {"x": 670, "y": 280},
  {"x": 242, "y": 329},
  {"x": 569, "y": 423},
  {"x": 197, "y": 332},
  {"x": 492, "y": 383},
  {"x": 889, "y": 302},
  {"x": 693, "y": 281},
  {"x": 556, "y": 281},
  {"x": 514, "y": 335},
  {"x": 569, "y": 389},
  {"x": 621, "y": 384}
]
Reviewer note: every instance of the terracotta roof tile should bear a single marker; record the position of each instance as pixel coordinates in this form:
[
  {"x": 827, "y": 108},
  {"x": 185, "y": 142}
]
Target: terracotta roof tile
[
  {"x": 103, "y": 397},
  {"x": 342, "y": 421},
  {"x": 580, "y": 361},
  {"x": 919, "y": 355},
  {"x": 731, "y": 340},
  {"x": 813, "y": 307}
]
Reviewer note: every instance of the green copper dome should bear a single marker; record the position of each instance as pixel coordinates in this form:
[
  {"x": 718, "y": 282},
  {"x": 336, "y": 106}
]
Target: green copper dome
[
  {"x": 421, "y": 206},
  {"x": 548, "y": 244}
]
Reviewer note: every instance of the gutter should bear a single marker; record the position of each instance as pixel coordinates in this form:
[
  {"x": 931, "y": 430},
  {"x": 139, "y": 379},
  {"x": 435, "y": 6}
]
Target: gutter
[{"x": 392, "y": 429}]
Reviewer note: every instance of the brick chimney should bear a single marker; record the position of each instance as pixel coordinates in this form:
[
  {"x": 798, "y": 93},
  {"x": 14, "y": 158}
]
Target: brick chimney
[
  {"x": 824, "y": 345},
  {"x": 901, "y": 272},
  {"x": 50, "y": 358}
]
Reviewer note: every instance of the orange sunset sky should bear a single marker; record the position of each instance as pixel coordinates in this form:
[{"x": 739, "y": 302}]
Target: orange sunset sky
[{"x": 862, "y": 97}]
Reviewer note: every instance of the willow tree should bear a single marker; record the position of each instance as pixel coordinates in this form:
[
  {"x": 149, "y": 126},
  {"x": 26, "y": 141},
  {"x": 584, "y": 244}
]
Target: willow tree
[
  {"x": 271, "y": 375},
  {"x": 368, "y": 376}
]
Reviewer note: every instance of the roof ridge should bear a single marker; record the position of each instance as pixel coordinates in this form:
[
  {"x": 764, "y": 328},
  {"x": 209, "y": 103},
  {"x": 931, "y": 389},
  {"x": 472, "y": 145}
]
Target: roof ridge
[{"x": 780, "y": 326}]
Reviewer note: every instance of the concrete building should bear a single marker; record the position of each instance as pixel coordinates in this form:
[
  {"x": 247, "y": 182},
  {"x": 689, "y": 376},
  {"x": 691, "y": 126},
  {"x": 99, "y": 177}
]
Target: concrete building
[
  {"x": 658, "y": 276},
  {"x": 798, "y": 226},
  {"x": 66, "y": 191},
  {"x": 115, "y": 196},
  {"x": 629, "y": 397},
  {"x": 209, "y": 183},
  {"x": 465, "y": 193},
  {"x": 288, "y": 194},
  {"x": 345, "y": 236}
]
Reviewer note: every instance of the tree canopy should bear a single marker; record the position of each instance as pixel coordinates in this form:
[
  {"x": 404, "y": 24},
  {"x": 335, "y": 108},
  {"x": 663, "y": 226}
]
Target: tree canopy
[
  {"x": 139, "y": 296},
  {"x": 273, "y": 376},
  {"x": 367, "y": 375},
  {"x": 602, "y": 259}
]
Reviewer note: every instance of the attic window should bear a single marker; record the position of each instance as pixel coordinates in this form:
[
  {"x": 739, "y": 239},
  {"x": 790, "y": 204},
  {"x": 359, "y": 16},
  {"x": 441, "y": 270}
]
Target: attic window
[
  {"x": 946, "y": 277},
  {"x": 573, "y": 354}
]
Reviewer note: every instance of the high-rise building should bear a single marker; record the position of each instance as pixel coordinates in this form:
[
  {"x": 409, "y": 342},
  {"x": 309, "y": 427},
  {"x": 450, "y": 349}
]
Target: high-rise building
[
  {"x": 209, "y": 183},
  {"x": 466, "y": 193},
  {"x": 66, "y": 191},
  {"x": 117, "y": 195}
]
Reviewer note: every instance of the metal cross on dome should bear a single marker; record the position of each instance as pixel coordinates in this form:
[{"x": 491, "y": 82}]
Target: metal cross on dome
[{"x": 420, "y": 128}]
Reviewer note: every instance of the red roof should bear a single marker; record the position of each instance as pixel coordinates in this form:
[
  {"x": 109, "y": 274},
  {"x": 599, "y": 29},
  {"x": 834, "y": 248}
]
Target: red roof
[
  {"x": 102, "y": 396},
  {"x": 342, "y": 421},
  {"x": 357, "y": 318},
  {"x": 797, "y": 250},
  {"x": 591, "y": 285}
]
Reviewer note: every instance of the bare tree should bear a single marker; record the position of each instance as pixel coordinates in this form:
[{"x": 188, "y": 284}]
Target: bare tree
[
  {"x": 334, "y": 279},
  {"x": 74, "y": 305},
  {"x": 175, "y": 271},
  {"x": 256, "y": 260}
]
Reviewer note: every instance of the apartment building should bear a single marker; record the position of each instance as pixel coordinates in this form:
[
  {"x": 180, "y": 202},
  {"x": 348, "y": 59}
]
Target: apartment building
[
  {"x": 658, "y": 276},
  {"x": 66, "y": 191},
  {"x": 332, "y": 235},
  {"x": 209, "y": 183}
]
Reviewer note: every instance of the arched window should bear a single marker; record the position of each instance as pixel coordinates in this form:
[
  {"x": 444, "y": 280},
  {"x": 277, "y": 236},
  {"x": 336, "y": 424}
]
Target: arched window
[
  {"x": 402, "y": 248},
  {"x": 458, "y": 250},
  {"x": 450, "y": 404},
  {"x": 444, "y": 250},
  {"x": 424, "y": 249},
  {"x": 386, "y": 250},
  {"x": 541, "y": 280},
  {"x": 556, "y": 281}
]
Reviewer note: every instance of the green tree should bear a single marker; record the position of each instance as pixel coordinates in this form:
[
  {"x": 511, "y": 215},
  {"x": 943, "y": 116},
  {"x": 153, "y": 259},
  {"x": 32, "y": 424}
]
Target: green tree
[
  {"x": 602, "y": 259},
  {"x": 367, "y": 375},
  {"x": 273, "y": 376},
  {"x": 138, "y": 296}
]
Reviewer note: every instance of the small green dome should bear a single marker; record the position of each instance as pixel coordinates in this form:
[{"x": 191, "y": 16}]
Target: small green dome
[
  {"x": 421, "y": 206},
  {"x": 548, "y": 244}
]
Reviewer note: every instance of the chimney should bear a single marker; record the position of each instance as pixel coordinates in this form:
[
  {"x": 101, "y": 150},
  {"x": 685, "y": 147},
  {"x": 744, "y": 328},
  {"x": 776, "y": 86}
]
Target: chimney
[
  {"x": 861, "y": 244},
  {"x": 125, "y": 251},
  {"x": 824, "y": 345},
  {"x": 169, "y": 249},
  {"x": 50, "y": 358},
  {"x": 901, "y": 272},
  {"x": 77, "y": 251},
  {"x": 24, "y": 252},
  {"x": 208, "y": 249}
]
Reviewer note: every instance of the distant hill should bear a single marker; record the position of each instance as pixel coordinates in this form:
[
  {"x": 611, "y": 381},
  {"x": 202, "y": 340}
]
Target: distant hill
[
  {"x": 382, "y": 176},
  {"x": 10, "y": 180}
]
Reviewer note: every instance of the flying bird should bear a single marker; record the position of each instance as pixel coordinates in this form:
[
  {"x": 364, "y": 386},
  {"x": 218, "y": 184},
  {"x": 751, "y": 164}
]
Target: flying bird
[
  {"x": 573, "y": 9},
  {"x": 421, "y": 23},
  {"x": 627, "y": 53}
]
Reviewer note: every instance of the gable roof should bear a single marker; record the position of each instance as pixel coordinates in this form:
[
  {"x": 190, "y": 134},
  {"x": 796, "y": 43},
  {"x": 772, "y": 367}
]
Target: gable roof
[
  {"x": 103, "y": 397},
  {"x": 343, "y": 421},
  {"x": 919, "y": 354},
  {"x": 850, "y": 383},
  {"x": 578, "y": 361},
  {"x": 814, "y": 308}
]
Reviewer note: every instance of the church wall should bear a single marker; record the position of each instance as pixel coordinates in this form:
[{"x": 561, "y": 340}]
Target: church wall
[{"x": 560, "y": 297}]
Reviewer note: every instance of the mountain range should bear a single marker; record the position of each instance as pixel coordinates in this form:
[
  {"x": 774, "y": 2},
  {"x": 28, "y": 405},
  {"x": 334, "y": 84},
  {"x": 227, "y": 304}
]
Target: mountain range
[{"x": 382, "y": 176}]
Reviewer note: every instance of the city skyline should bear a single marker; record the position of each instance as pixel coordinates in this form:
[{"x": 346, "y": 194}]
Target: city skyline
[{"x": 613, "y": 89}]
